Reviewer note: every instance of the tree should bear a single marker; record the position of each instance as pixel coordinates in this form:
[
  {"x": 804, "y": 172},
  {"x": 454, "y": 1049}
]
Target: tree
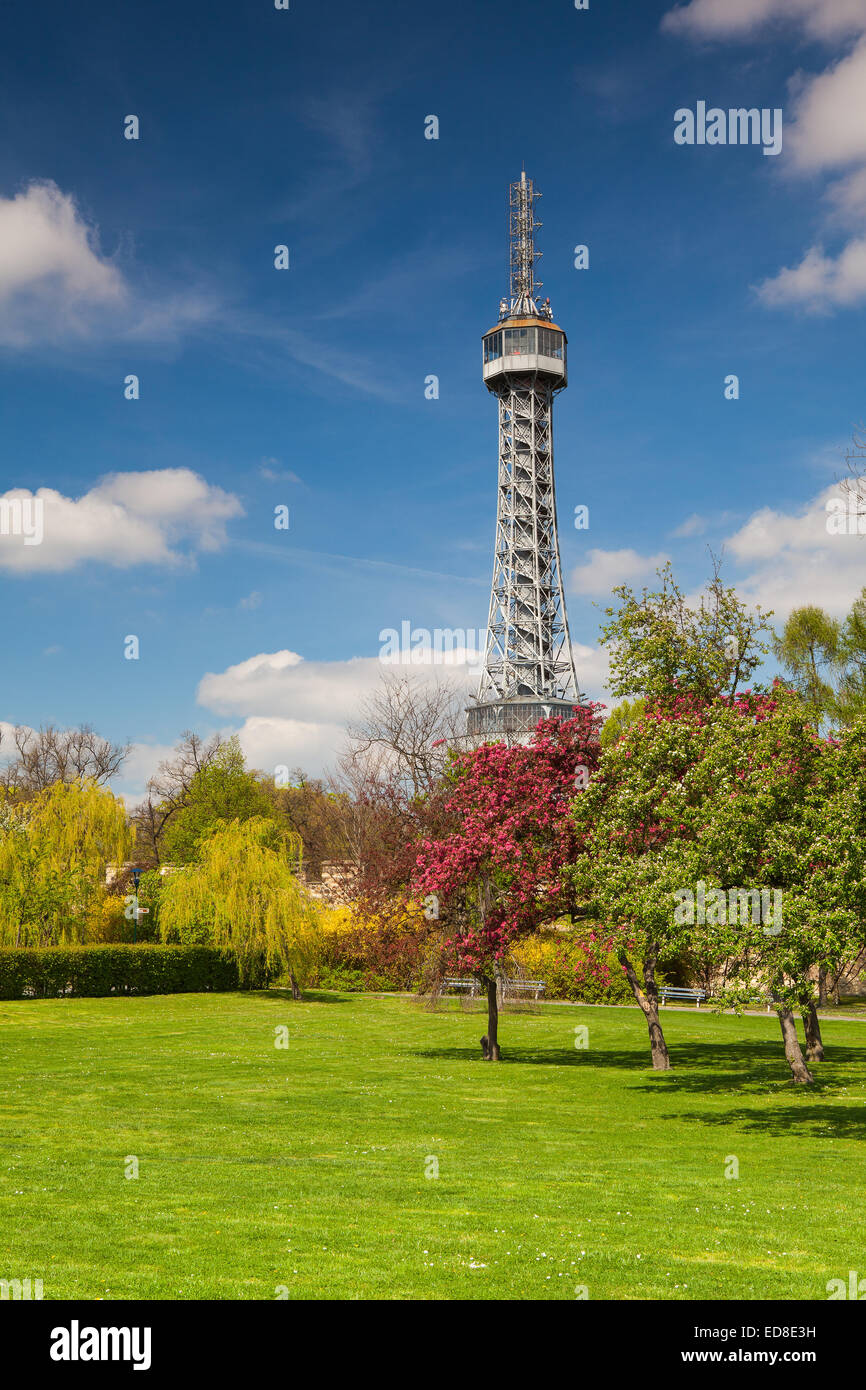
[
  {"x": 661, "y": 647},
  {"x": 495, "y": 875},
  {"x": 221, "y": 791},
  {"x": 391, "y": 776},
  {"x": 764, "y": 783},
  {"x": 808, "y": 650},
  {"x": 826, "y": 661},
  {"x": 621, "y": 717},
  {"x": 168, "y": 790},
  {"x": 54, "y": 850},
  {"x": 850, "y": 704},
  {"x": 243, "y": 895},
  {"x": 48, "y": 755},
  {"x": 405, "y": 731},
  {"x": 204, "y": 783},
  {"x": 633, "y": 855},
  {"x": 854, "y": 486},
  {"x": 320, "y": 814},
  {"x": 718, "y": 807}
]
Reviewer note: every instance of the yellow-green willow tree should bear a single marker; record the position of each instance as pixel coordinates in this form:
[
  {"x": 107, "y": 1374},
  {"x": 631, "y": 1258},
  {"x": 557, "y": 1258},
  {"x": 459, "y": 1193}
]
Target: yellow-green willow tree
[
  {"x": 243, "y": 895},
  {"x": 54, "y": 850}
]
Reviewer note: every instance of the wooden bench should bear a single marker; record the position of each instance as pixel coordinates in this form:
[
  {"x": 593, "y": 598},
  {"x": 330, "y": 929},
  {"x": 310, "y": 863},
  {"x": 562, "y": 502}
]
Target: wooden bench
[{"x": 674, "y": 992}]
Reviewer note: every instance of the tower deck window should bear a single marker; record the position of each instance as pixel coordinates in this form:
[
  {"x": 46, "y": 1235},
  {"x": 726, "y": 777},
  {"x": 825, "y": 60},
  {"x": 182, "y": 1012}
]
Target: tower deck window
[
  {"x": 520, "y": 341},
  {"x": 551, "y": 343},
  {"x": 492, "y": 347}
]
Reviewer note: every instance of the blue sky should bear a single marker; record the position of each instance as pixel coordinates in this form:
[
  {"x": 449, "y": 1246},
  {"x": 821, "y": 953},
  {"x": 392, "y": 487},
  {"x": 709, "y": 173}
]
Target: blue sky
[{"x": 305, "y": 387}]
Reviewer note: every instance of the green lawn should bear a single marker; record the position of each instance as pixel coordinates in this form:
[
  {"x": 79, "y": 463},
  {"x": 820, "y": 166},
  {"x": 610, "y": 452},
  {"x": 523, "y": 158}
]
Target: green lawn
[{"x": 305, "y": 1167}]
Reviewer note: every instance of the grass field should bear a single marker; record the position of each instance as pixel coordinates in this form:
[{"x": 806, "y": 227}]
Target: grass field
[{"x": 260, "y": 1167}]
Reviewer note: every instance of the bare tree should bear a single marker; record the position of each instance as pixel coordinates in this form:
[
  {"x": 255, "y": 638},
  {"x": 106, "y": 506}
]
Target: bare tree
[
  {"x": 854, "y": 486},
  {"x": 405, "y": 730},
  {"x": 168, "y": 789},
  {"x": 391, "y": 773},
  {"x": 48, "y": 755},
  {"x": 320, "y": 813}
]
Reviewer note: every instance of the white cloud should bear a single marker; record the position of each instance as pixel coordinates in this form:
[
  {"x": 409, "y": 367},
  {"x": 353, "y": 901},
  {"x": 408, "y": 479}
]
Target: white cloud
[
  {"x": 820, "y": 282},
  {"x": 53, "y": 277},
  {"x": 693, "y": 525},
  {"x": 295, "y": 712},
  {"x": 847, "y": 199},
  {"x": 789, "y": 559},
  {"x": 827, "y": 132},
  {"x": 58, "y": 287},
  {"x": 271, "y": 742},
  {"x": 283, "y": 685},
  {"x": 142, "y": 761},
  {"x": 161, "y": 516},
  {"x": 830, "y": 116},
  {"x": 604, "y": 569},
  {"x": 730, "y": 19}
]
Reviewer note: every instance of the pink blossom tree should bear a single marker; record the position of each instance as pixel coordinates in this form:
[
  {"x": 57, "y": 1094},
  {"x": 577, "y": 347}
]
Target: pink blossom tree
[{"x": 498, "y": 875}]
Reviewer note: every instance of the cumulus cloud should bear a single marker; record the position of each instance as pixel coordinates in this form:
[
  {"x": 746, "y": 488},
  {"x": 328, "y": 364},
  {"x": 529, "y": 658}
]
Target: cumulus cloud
[
  {"x": 604, "y": 569},
  {"x": 57, "y": 285},
  {"x": 732, "y": 19},
  {"x": 53, "y": 276},
  {"x": 283, "y": 684},
  {"x": 827, "y": 132},
  {"x": 295, "y": 712},
  {"x": 163, "y": 516},
  {"x": 789, "y": 559},
  {"x": 820, "y": 282},
  {"x": 829, "y": 129}
]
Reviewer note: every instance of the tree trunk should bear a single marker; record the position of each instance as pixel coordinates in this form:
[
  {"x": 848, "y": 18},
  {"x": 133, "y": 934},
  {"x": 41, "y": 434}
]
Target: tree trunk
[
  {"x": 648, "y": 1000},
  {"x": 296, "y": 988},
  {"x": 812, "y": 1029},
  {"x": 793, "y": 1051},
  {"x": 492, "y": 1022},
  {"x": 822, "y": 986}
]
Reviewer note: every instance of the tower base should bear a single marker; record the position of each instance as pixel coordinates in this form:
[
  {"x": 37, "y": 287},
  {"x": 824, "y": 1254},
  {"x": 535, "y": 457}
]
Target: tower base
[{"x": 513, "y": 721}]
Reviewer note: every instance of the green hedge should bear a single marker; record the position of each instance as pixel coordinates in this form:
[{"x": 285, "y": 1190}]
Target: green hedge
[{"x": 30, "y": 972}]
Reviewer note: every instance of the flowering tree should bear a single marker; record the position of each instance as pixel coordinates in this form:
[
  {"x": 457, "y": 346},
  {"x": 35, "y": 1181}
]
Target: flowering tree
[
  {"x": 740, "y": 802},
  {"x": 496, "y": 875}
]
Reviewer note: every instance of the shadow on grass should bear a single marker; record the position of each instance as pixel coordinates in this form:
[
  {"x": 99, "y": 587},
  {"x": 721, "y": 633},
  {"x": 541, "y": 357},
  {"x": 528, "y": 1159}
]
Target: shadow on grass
[
  {"x": 702, "y": 1068},
  {"x": 809, "y": 1119},
  {"x": 308, "y": 996}
]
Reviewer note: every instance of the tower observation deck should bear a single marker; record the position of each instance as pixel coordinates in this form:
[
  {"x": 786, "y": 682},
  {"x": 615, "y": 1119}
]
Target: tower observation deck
[{"x": 528, "y": 666}]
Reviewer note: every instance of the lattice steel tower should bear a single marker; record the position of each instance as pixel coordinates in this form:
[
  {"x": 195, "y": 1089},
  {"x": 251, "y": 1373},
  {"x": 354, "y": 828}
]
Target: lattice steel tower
[{"x": 528, "y": 668}]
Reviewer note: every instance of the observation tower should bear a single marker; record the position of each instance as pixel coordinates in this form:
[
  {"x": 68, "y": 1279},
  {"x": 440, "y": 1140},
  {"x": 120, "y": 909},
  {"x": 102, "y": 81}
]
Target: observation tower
[{"x": 528, "y": 665}]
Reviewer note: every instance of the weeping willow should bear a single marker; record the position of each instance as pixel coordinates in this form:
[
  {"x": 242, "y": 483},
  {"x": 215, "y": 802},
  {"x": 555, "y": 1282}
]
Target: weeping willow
[
  {"x": 54, "y": 850},
  {"x": 243, "y": 895}
]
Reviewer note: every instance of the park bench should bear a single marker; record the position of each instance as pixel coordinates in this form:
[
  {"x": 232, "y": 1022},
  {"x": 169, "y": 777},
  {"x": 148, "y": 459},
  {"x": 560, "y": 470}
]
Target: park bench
[
  {"x": 763, "y": 999},
  {"x": 509, "y": 986},
  {"x": 534, "y": 987},
  {"x": 674, "y": 992}
]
